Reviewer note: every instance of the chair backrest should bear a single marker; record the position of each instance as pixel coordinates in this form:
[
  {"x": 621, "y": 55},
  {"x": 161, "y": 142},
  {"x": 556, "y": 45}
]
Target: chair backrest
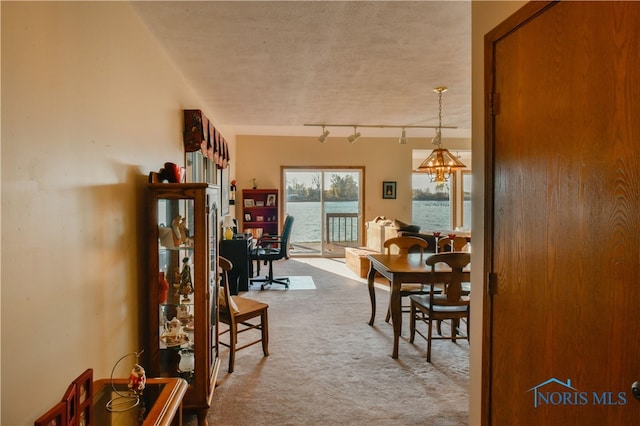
[
  {"x": 225, "y": 301},
  {"x": 444, "y": 244},
  {"x": 457, "y": 261},
  {"x": 286, "y": 233},
  {"x": 406, "y": 244}
]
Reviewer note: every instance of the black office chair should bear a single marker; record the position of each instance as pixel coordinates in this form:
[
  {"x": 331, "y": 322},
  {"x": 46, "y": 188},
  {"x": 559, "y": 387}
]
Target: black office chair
[{"x": 270, "y": 248}]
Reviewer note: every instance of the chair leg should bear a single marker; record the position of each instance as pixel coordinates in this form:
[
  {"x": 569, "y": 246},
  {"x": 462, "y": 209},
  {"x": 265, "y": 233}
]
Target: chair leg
[
  {"x": 412, "y": 322},
  {"x": 270, "y": 279},
  {"x": 468, "y": 322},
  {"x": 265, "y": 333},
  {"x": 233, "y": 337},
  {"x": 388, "y": 317},
  {"x": 429, "y": 334}
]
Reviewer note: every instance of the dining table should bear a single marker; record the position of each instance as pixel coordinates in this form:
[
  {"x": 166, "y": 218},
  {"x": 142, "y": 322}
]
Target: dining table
[{"x": 399, "y": 269}]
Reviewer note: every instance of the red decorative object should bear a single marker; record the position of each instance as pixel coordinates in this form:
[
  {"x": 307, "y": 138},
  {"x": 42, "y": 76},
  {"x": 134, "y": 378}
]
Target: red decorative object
[
  {"x": 137, "y": 379},
  {"x": 163, "y": 288},
  {"x": 173, "y": 173}
]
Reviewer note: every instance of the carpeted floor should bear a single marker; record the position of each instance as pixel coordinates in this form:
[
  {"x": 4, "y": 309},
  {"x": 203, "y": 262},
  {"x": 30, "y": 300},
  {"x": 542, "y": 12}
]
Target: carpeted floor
[{"x": 329, "y": 367}]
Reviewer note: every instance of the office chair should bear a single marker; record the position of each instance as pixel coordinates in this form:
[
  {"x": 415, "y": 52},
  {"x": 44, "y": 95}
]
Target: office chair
[{"x": 270, "y": 248}]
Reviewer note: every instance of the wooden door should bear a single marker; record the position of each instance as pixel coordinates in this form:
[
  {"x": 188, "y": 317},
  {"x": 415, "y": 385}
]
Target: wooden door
[{"x": 563, "y": 208}]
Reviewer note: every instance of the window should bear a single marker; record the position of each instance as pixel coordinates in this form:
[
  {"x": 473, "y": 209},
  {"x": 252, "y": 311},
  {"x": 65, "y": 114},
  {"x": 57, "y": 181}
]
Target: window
[
  {"x": 431, "y": 204},
  {"x": 466, "y": 200}
]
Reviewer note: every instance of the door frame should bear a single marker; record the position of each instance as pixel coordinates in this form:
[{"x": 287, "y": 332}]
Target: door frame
[{"x": 516, "y": 20}]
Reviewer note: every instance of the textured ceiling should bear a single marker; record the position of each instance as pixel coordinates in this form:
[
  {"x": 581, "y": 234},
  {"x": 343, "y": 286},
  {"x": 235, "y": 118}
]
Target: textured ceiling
[{"x": 270, "y": 67}]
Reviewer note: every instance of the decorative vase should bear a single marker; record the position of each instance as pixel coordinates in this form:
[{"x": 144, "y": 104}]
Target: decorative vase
[
  {"x": 163, "y": 288},
  {"x": 187, "y": 361},
  {"x": 228, "y": 233}
]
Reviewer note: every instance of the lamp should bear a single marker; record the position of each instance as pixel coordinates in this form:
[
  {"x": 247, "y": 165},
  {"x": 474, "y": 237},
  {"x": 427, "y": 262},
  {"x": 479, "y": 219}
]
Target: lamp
[
  {"x": 323, "y": 137},
  {"x": 403, "y": 139},
  {"x": 228, "y": 224},
  {"x": 440, "y": 163},
  {"x": 354, "y": 137}
]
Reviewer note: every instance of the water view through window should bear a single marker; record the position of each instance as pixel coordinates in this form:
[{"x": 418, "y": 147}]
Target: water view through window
[
  {"x": 326, "y": 207},
  {"x": 431, "y": 204}
]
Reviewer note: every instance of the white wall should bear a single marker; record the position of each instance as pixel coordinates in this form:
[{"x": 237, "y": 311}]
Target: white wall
[
  {"x": 90, "y": 105},
  {"x": 485, "y": 15},
  {"x": 383, "y": 159}
]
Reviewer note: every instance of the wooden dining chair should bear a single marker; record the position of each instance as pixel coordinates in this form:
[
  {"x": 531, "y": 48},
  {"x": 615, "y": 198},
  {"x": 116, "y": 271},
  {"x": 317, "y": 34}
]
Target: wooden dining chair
[
  {"x": 240, "y": 314},
  {"x": 453, "y": 305},
  {"x": 459, "y": 244},
  {"x": 406, "y": 245}
]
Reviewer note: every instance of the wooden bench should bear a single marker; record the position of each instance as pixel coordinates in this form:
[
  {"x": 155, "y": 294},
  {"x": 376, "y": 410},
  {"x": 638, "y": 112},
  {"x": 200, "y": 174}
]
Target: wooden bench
[{"x": 356, "y": 260}]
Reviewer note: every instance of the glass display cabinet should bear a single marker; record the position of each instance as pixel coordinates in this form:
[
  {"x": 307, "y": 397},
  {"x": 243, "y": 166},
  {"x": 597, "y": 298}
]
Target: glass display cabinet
[{"x": 183, "y": 288}]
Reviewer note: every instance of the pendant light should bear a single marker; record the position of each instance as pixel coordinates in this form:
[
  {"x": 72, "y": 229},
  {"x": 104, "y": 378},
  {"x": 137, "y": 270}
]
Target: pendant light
[{"x": 440, "y": 164}]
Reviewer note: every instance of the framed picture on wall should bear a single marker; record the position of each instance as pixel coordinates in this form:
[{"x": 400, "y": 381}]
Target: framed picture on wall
[
  {"x": 389, "y": 189},
  {"x": 224, "y": 191}
]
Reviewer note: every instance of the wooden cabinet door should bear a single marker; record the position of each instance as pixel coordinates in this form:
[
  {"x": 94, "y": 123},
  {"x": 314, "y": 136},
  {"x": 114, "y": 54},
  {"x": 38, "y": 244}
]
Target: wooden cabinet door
[{"x": 563, "y": 209}]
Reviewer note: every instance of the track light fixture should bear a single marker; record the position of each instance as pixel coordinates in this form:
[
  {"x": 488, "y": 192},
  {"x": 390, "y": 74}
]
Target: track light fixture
[
  {"x": 354, "y": 137},
  {"x": 323, "y": 137},
  {"x": 403, "y": 138}
]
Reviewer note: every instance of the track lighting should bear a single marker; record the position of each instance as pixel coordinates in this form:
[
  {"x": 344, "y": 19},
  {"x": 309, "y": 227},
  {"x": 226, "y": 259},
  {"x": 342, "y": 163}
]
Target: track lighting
[
  {"x": 323, "y": 137},
  {"x": 354, "y": 137},
  {"x": 403, "y": 139}
]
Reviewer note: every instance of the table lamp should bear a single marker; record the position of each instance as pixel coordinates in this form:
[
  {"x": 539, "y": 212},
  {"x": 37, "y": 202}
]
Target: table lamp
[{"x": 227, "y": 225}]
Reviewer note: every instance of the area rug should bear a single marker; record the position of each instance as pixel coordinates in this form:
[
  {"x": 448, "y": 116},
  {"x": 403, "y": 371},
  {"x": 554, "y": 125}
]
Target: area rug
[{"x": 304, "y": 282}]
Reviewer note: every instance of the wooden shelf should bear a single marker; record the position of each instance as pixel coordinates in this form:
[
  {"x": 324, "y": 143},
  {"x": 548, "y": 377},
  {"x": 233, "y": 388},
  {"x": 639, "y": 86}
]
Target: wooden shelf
[{"x": 264, "y": 204}]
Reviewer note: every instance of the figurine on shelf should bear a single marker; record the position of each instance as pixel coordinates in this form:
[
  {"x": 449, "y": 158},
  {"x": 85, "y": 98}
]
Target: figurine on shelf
[
  {"x": 175, "y": 226},
  {"x": 180, "y": 231},
  {"x": 176, "y": 280},
  {"x": 186, "y": 285},
  {"x": 137, "y": 379}
]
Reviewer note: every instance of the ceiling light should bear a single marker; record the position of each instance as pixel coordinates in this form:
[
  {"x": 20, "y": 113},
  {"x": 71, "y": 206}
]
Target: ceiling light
[
  {"x": 440, "y": 164},
  {"x": 403, "y": 139},
  {"x": 323, "y": 137},
  {"x": 354, "y": 137}
]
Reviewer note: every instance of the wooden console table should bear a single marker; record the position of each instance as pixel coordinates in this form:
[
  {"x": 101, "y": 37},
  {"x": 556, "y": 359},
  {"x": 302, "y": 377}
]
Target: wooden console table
[{"x": 160, "y": 403}]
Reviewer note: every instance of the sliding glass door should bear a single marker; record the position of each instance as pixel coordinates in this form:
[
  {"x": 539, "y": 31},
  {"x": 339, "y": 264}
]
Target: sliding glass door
[{"x": 327, "y": 206}]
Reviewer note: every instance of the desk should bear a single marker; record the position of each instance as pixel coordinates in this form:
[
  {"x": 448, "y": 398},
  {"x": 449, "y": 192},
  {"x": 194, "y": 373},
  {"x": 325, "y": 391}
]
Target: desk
[
  {"x": 162, "y": 401},
  {"x": 237, "y": 251},
  {"x": 401, "y": 269}
]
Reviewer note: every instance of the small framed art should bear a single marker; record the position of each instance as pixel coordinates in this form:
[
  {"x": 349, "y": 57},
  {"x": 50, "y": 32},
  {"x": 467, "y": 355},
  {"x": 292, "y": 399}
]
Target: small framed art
[
  {"x": 247, "y": 217},
  {"x": 248, "y": 202},
  {"x": 271, "y": 200},
  {"x": 389, "y": 189}
]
